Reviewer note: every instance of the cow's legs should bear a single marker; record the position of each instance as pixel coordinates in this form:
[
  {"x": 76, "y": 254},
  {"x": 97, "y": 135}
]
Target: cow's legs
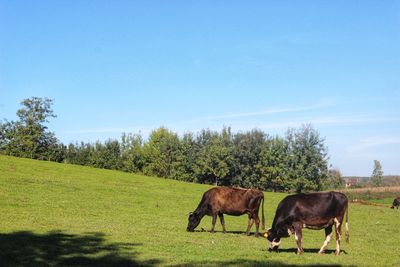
[
  {"x": 214, "y": 220},
  {"x": 249, "y": 224},
  {"x": 338, "y": 228},
  {"x": 298, "y": 236},
  {"x": 257, "y": 221},
  {"x": 221, "y": 219},
  {"x": 328, "y": 236}
]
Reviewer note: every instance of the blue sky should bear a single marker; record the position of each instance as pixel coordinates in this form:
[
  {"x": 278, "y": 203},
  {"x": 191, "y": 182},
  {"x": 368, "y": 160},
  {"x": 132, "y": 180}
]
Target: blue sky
[{"x": 132, "y": 66}]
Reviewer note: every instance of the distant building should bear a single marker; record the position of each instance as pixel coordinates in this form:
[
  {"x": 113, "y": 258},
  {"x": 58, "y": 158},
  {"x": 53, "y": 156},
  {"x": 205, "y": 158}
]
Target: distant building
[{"x": 352, "y": 182}]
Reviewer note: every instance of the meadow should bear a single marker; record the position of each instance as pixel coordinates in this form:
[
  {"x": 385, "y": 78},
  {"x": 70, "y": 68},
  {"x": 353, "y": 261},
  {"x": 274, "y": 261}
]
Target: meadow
[
  {"x": 55, "y": 214},
  {"x": 379, "y": 195}
]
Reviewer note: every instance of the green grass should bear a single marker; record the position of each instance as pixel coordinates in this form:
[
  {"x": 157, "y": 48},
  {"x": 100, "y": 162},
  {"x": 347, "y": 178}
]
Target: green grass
[
  {"x": 63, "y": 215},
  {"x": 386, "y": 201}
]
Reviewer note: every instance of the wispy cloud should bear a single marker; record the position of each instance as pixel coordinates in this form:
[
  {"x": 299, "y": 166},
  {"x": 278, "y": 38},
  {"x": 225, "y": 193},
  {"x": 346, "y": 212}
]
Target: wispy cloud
[
  {"x": 374, "y": 142},
  {"x": 110, "y": 130},
  {"x": 320, "y": 105},
  {"x": 352, "y": 119},
  {"x": 330, "y": 120},
  {"x": 215, "y": 121}
]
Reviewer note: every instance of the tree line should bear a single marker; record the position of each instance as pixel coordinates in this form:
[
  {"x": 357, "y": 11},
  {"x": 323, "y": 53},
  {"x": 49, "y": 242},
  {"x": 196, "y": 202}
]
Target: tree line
[{"x": 251, "y": 159}]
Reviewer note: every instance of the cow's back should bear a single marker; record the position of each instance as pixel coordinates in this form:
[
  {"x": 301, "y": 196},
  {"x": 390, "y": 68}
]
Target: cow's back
[
  {"x": 305, "y": 206},
  {"x": 230, "y": 200}
]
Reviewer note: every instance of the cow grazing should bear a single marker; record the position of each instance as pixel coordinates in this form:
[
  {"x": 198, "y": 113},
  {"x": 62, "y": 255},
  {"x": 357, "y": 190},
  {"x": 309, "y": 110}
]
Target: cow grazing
[
  {"x": 396, "y": 203},
  {"x": 232, "y": 201},
  {"x": 313, "y": 211}
]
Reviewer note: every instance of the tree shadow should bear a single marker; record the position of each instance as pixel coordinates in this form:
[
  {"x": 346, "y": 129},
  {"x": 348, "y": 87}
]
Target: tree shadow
[
  {"x": 250, "y": 263},
  {"x": 55, "y": 248}
]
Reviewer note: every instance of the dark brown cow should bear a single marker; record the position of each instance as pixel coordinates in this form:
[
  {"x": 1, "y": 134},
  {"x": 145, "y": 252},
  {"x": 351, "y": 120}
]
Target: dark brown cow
[
  {"x": 396, "y": 203},
  {"x": 232, "y": 201},
  {"x": 313, "y": 211}
]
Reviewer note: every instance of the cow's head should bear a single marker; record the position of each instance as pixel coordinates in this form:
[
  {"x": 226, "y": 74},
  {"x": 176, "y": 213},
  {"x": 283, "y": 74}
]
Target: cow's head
[
  {"x": 194, "y": 220},
  {"x": 274, "y": 239}
]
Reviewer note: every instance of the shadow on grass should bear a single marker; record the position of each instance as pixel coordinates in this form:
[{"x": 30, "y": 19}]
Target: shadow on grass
[
  {"x": 250, "y": 263},
  {"x": 308, "y": 250},
  {"x": 227, "y": 232},
  {"x": 56, "y": 248}
]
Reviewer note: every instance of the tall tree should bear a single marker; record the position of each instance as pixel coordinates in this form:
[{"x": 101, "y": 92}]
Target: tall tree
[
  {"x": 308, "y": 163},
  {"x": 247, "y": 153},
  {"x": 7, "y": 132},
  {"x": 161, "y": 153},
  {"x": 214, "y": 159},
  {"x": 186, "y": 159},
  {"x": 132, "y": 152},
  {"x": 28, "y": 137},
  {"x": 377, "y": 174},
  {"x": 273, "y": 165}
]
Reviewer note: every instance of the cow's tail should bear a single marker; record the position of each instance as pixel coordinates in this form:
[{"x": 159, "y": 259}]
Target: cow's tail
[
  {"x": 347, "y": 225},
  {"x": 263, "y": 217}
]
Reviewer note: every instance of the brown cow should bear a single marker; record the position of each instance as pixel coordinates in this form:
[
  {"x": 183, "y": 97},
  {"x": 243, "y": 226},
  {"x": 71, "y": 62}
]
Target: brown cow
[{"x": 231, "y": 201}]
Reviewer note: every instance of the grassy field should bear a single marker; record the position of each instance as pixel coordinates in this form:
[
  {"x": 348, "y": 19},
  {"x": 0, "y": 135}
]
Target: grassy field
[
  {"x": 382, "y": 195},
  {"x": 63, "y": 215},
  {"x": 385, "y": 201}
]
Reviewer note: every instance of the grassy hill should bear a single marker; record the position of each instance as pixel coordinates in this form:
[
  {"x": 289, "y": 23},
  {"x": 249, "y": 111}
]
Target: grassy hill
[{"x": 64, "y": 215}]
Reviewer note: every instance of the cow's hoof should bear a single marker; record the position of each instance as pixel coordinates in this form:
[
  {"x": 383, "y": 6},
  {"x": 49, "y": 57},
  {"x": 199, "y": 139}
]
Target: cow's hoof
[{"x": 273, "y": 250}]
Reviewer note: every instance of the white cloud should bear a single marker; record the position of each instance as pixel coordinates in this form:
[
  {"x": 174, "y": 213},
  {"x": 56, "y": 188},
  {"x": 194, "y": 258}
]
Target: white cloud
[
  {"x": 320, "y": 105},
  {"x": 242, "y": 126},
  {"x": 328, "y": 120},
  {"x": 372, "y": 143}
]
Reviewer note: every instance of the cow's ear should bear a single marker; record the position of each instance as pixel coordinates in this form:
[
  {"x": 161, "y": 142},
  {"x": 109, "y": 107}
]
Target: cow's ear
[
  {"x": 190, "y": 213},
  {"x": 266, "y": 234}
]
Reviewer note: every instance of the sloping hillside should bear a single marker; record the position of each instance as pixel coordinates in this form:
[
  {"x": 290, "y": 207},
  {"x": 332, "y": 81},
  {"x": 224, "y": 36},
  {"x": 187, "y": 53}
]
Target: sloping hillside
[{"x": 66, "y": 215}]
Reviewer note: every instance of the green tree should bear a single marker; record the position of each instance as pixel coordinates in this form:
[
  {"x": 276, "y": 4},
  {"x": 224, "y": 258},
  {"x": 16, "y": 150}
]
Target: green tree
[
  {"x": 28, "y": 137},
  {"x": 7, "y": 132},
  {"x": 186, "y": 159},
  {"x": 71, "y": 154},
  {"x": 274, "y": 165},
  {"x": 308, "y": 161},
  {"x": 161, "y": 153},
  {"x": 132, "y": 152},
  {"x": 377, "y": 174},
  {"x": 334, "y": 180},
  {"x": 80, "y": 154},
  {"x": 112, "y": 155},
  {"x": 246, "y": 157},
  {"x": 214, "y": 159}
]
